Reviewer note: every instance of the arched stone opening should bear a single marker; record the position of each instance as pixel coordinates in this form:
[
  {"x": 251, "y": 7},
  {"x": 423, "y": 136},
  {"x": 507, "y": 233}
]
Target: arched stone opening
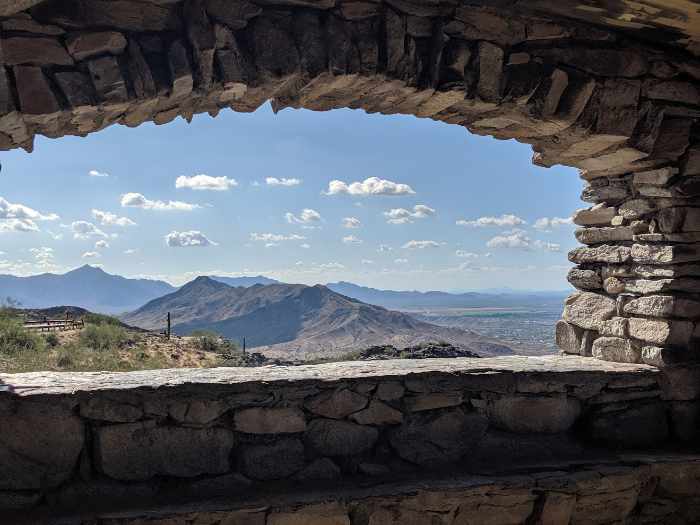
[{"x": 622, "y": 110}]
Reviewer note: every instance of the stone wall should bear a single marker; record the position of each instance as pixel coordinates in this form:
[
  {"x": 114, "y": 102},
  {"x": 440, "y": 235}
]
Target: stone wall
[
  {"x": 84, "y": 442},
  {"x": 623, "y": 110}
]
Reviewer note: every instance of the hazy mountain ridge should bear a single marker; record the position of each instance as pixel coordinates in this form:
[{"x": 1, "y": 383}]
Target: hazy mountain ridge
[
  {"x": 293, "y": 320},
  {"x": 86, "y": 287}
]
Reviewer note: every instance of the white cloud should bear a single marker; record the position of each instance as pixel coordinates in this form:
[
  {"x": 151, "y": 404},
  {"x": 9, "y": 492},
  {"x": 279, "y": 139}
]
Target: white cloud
[
  {"x": 307, "y": 216},
  {"x": 203, "y": 182},
  {"x": 20, "y": 218},
  {"x": 466, "y": 255},
  {"x": 106, "y": 218},
  {"x": 43, "y": 256},
  {"x": 503, "y": 220},
  {"x": 55, "y": 236},
  {"x": 101, "y": 245},
  {"x": 90, "y": 255},
  {"x": 84, "y": 230},
  {"x": 137, "y": 200},
  {"x": 370, "y": 186},
  {"x": 367, "y": 261},
  {"x": 401, "y": 261},
  {"x": 404, "y": 216},
  {"x": 351, "y": 239},
  {"x": 18, "y": 225},
  {"x": 518, "y": 239},
  {"x": 420, "y": 245},
  {"x": 192, "y": 238},
  {"x": 546, "y": 223},
  {"x": 275, "y": 237},
  {"x": 351, "y": 223},
  {"x": 130, "y": 251},
  {"x": 96, "y": 173},
  {"x": 306, "y": 246},
  {"x": 274, "y": 181},
  {"x": 383, "y": 248},
  {"x": 332, "y": 266}
]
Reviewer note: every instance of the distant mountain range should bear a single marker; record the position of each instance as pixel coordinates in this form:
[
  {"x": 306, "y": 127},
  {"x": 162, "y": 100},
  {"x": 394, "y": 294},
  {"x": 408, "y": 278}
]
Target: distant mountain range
[
  {"x": 85, "y": 287},
  {"x": 407, "y": 300},
  {"x": 246, "y": 282},
  {"x": 295, "y": 320}
]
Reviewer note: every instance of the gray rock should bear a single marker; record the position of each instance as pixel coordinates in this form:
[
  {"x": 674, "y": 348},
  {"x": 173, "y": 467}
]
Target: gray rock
[
  {"x": 39, "y": 446},
  {"x": 34, "y": 52},
  {"x": 636, "y": 208},
  {"x": 86, "y": 45},
  {"x": 139, "y": 451},
  {"x": 588, "y": 310},
  {"x": 278, "y": 460},
  {"x": 598, "y": 215},
  {"x": 106, "y": 409},
  {"x": 636, "y": 426},
  {"x": 377, "y": 413},
  {"x": 663, "y": 306},
  {"x": 533, "y": 414},
  {"x": 329, "y": 437},
  {"x": 336, "y": 404},
  {"x": 108, "y": 80},
  {"x": 658, "y": 177},
  {"x": 568, "y": 337},
  {"x": 584, "y": 279},
  {"x": 196, "y": 412},
  {"x": 270, "y": 421},
  {"x": 617, "y": 349},
  {"x": 436, "y": 439},
  {"x": 661, "y": 332},
  {"x": 320, "y": 469},
  {"x": 390, "y": 391},
  {"x": 615, "y": 327},
  {"x": 604, "y": 235},
  {"x": 672, "y": 254},
  {"x": 35, "y": 94},
  {"x": 433, "y": 401},
  {"x": 600, "y": 254}
]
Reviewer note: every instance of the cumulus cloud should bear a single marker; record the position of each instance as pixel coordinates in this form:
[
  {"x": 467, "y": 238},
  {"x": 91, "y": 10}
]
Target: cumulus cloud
[
  {"x": 274, "y": 181},
  {"x": 137, "y": 200},
  {"x": 90, "y": 255},
  {"x": 466, "y": 255},
  {"x": 84, "y": 230},
  {"x": 43, "y": 256},
  {"x": 351, "y": 223},
  {"x": 368, "y": 187},
  {"x": 331, "y": 266},
  {"x": 130, "y": 251},
  {"x": 192, "y": 238},
  {"x": 351, "y": 239},
  {"x": 275, "y": 237},
  {"x": 306, "y": 217},
  {"x": 106, "y": 218},
  {"x": 101, "y": 245},
  {"x": 518, "y": 239},
  {"x": 20, "y": 218},
  {"x": 420, "y": 245},
  {"x": 404, "y": 216},
  {"x": 203, "y": 182},
  {"x": 547, "y": 223},
  {"x": 96, "y": 173},
  {"x": 305, "y": 246},
  {"x": 503, "y": 220}
]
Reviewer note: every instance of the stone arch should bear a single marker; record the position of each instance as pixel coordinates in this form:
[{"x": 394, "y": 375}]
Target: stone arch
[{"x": 621, "y": 109}]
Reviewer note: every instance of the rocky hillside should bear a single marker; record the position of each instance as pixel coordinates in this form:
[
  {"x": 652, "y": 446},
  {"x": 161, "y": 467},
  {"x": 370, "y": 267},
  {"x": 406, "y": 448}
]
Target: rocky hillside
[{"x": 285, "y": 320}]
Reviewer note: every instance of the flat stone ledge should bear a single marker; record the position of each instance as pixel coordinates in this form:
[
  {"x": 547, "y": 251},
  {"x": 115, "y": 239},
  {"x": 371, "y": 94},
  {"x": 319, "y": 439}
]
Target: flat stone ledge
[{"x": 67, "y": 383}]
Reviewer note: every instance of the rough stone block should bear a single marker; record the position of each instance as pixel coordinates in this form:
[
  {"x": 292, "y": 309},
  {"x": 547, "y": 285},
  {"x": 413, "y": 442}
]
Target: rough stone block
[
  {"x": 598, "y": 215},
  {"x": 637, "y": 426},
  {"x": 232, "y": 14},
  {"x": 35, "y": 94},
  {"x": 660, "y": 254},
  {"x": 588, "y": 310},
  {"x": 533, "y": 415},
  {"x": 377, "y": 413},
  {"x": 615, "y": 327},
  {"x": 658, "y": 177},
  {"x": 584, "y": 279},
  {"x": 330, "y": 437},
  {"x": 39, "y": 446},
  {"x": 436, "y": 439},
  {"x": 270, "y": 421},
  {"x": 390, "y": 391},
  {"x": 108, "y": 80},
  {"x": 600, "y": 254},
  {"x": 86, "y": 45},
  {"x": 105, "y": 409},
  {"x": 77, "y": 88},
  {"x": 139, "y": 451},
  {"x": 663, "y": 306},
  {"x": 278, "y": 460},
  {"x": 34, "y": 52},
  {"x": 182, "y": 81},
  {"x": 337, "y": 404},
  {"x": 491, "y": 59},
  {"x": 568, "y": 337},
  {"x": 433, "y": 401},
  {"x": 636, "y": 208},
  {"x": 604, "y": 235},
  {"x": 617, "y": 349},
  {"x": 320, "y": 469},
  {"x": 661, "y": 332}
]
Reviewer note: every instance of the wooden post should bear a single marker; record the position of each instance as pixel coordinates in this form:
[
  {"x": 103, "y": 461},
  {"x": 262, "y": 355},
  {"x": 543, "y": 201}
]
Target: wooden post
[
  {"x": 244, "y": 345},
  {"x": 167, "y": 333}
]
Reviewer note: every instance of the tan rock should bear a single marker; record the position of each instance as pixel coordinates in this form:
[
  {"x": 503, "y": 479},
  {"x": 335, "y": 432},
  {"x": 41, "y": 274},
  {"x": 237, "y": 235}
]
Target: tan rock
[
  {"x": 337, "y": 404},
  {"x": 663, "y": 306},
  {"x": 616, "y": 349},
  {"x": 433, "y": 401},
  {"x": 598, "y": 215},
  {"x": 539, "y": 415},
  {"x": 378, "y": 413},
  {"x": 270, "y": 420},
  {"x": 34, "y": 52},
  {"x": 86, "y": 45},
  {"x": 661, "y": 332},
  {"x": 588, "y": 310}
]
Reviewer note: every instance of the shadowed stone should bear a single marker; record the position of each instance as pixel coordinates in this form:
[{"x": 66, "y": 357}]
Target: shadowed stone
[
  {"x": 378, "y": 413},
  {"x": 270, "y": 421},
  {"x": 35, "y": 94},
  {"x": 35, "y": 52},
  {"x": 139, "y": 451},
  {"x": 275, "y": 461},
  {"x": 336, "y": 404},
  {"x": 644, "y": 425},
  {"x": 39, "y": 446},
  {"x": 526, "y": 415},
  {"x": 340, "y": 438},
  {"x": 86, "y": 45}
]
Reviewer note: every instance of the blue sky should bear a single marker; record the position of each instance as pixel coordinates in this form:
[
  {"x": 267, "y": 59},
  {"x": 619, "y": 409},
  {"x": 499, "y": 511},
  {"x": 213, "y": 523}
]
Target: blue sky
[{"x": 465, "y": 208}]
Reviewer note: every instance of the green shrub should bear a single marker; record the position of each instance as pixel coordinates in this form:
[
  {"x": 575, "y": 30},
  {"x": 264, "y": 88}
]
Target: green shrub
[
  {"x": 51, "y": 339},
  {"x": 92, "y": 318},
  {"x": 207, "y": 341},
  {"x": 103, "y": 337},
  {"x": 14, "y": 338}
]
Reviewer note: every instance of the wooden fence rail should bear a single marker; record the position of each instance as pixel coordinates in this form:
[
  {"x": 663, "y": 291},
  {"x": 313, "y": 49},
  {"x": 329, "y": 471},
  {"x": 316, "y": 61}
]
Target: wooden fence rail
[{"x": 54, "y": 325}]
